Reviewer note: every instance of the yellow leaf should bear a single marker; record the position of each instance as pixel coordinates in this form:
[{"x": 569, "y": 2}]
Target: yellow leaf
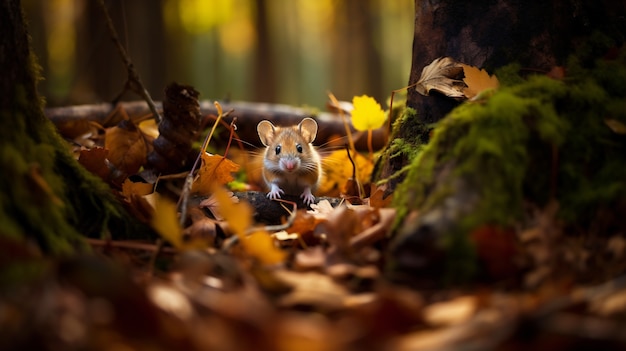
[
  {"x": 367, "y": 113},
  {"x": 477, "y": 81},
  {"x": 150, "y": 128},
  {"x": 215, "y": 170},
  {"x": 165, "y": 221},
  {"x": 238, "y": 215},
  {"x": 337, "y": 169},
  {"x": 260, "y": 245}
]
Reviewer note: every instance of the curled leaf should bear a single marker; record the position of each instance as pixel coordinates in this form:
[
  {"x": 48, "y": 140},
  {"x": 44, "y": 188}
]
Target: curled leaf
[{"x": 442, "y": 75}]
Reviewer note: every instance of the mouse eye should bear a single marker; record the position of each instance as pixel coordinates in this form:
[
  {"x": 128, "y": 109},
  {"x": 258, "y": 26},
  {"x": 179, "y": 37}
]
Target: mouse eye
[
  {"x": 277, "y": 149},
  {"x": 299, "y": 148}
]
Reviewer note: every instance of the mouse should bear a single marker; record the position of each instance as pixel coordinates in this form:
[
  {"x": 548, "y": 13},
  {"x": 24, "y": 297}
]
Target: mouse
[{"x": 291, "y": 165}]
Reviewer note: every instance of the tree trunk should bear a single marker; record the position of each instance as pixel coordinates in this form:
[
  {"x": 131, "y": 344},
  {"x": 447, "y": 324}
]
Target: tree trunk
[
  {"x": 45, "y": 195},
  {"x": 490, "y": 159},
  {"x": 491, "y": 34}
]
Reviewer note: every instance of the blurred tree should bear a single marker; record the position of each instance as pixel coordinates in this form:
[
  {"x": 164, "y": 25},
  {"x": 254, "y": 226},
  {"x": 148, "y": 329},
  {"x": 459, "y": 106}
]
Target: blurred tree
[
  {"x": 264, "y": 70},
  {"x": 46, "y": 197},
  {"x": 358, "y": 64}
]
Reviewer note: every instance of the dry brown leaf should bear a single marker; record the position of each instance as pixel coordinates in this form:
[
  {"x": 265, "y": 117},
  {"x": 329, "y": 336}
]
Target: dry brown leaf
[
  {"x": 312, "y": 289},
  {"x": 311, "y": 258},
  {"x": 451, "y": 312},
  {"x": 442, "y": 75},
  {"x": 378, "y": 198},
  {"x": 95, "y": 161},
  {"x": 477, "y": 81},
  {"x": 127, "y": 147},
  {"x": 215, "y": 170},
  {"x": 340, "y": 226},
  {"x": 616, "y": 126},
  {"x": 202, "y": 228}
]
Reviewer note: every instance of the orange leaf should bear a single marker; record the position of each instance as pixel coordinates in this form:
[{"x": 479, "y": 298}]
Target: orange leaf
[
  {"x": 477, "y": 81},
  {"x": 127, "y": 147},
  {"x": 261, "y": 246},
  {"x": 215, "y": 170},
  {"x": 130, "y": 188}
]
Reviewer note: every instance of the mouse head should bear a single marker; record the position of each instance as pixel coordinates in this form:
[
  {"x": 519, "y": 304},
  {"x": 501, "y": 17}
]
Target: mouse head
[{"x": 268, "y": 132}]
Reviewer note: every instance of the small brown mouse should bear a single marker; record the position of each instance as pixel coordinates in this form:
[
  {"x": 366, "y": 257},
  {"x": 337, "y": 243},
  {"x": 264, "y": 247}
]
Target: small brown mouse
[{"x": 291, "y": 165}]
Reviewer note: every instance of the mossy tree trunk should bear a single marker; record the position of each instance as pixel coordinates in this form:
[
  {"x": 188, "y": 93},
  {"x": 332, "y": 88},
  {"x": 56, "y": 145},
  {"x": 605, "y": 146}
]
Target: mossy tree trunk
[
  {"x": 491, "y": 34},
  {"x": 489, "y": 158},
  {"x": 46, "y": 198}
]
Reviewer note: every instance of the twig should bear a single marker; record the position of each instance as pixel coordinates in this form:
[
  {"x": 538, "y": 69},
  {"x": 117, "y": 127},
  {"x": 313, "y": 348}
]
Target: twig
[
  {"x": 131, "y": 245},
  {"x": 133, "y": 81}
]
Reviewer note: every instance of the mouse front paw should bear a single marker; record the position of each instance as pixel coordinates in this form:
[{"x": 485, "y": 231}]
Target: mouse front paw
[
  {"x": 307, "y": 197},
  {"x": 275, "y": 192}
]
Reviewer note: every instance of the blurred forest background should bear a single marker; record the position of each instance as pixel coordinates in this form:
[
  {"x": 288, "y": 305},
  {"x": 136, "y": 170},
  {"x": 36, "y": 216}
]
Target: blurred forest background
[{"x": 279, "y": 51}]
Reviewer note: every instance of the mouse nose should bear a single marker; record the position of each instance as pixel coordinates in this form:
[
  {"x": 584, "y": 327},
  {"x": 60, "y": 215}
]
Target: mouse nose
[{"x": 290, "y": 165}]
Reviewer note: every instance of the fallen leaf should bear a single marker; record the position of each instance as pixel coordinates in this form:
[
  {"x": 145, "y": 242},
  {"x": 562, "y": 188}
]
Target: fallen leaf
[
  {"x": 616, "y": 126},
  {"x": 215, "y": 170},
  {"x": 340, "y": 226},
  {"x": 202, "y": 231},
  {"x": 130, "y": 188},
  {"x": 312, "y": 289},
  {"x": 378, "y": 198},
  {"x": 337, "y": 170},
  {"x": 451, "y": 312},
  {"x": 150, "y": 128},
  {"x": 127, "y": 147},
  {"x": 237, "y": 214},
  {"x": 312, "y": 258},
  {"x": 165, "y": 221},
  {"x": 367, "y": 113},
  {"x": 477, "y": 81},
  {"x": 95, "y": 161},
  {"x": 442, "y": 75},
  {"x": 261, "y": 246}
]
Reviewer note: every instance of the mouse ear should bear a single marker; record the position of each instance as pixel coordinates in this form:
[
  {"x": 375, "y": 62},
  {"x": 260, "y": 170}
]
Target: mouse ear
[
  {"x": 308, "y": 129},
  {"x": 266, "y": 132}
]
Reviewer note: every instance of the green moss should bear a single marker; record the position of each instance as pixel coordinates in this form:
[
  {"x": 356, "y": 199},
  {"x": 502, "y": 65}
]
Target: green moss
[{"x": 405, "y": 144}]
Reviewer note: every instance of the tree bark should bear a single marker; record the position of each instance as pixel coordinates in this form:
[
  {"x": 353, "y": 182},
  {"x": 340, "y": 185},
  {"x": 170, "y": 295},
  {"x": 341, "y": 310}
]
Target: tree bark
[
  {"x": 491, "y": 34},
  {"x": 46, "y": 196}
]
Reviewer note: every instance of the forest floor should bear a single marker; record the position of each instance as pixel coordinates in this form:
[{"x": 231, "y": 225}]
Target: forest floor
[{"x": 219, "y": 281}]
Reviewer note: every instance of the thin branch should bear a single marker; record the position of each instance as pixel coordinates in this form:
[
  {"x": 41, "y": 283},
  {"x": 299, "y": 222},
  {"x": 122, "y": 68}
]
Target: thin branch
[{"x": 133, "y": 81}]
